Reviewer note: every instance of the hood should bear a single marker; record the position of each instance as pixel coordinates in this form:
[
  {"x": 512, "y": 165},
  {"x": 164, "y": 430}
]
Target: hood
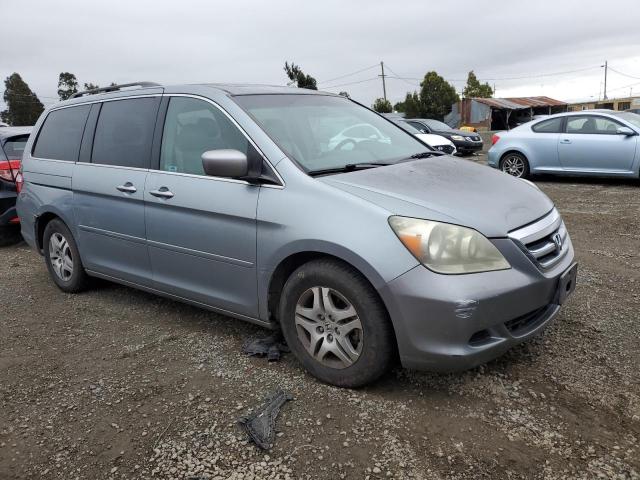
[
  {"x": 450, "y": 190},
  {"x": 462, "y": 133},
  {"x": 432, "y": 140}
]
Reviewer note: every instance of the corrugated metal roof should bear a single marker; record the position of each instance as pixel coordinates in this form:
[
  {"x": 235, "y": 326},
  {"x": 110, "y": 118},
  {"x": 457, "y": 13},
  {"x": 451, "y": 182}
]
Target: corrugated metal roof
[{"x": 519, "y": 103}]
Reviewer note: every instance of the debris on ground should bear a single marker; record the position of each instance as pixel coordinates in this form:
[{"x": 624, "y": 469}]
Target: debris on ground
[
  {"x": 260, "y": 425},
  {"x": 272, "y": 347}
]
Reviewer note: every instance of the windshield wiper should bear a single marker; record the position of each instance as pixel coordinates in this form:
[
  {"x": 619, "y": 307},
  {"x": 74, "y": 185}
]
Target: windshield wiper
[
  {"x": 426, "y": 154},
  {"x": 349, "y": 167}
]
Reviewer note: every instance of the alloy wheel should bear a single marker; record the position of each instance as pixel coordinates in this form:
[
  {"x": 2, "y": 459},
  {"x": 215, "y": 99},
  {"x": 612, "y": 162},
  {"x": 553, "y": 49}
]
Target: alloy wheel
[
  {"x": 329, "y": 327},
  {"x": 60, "y": 256},
  {"x": 513, "y": 165}
]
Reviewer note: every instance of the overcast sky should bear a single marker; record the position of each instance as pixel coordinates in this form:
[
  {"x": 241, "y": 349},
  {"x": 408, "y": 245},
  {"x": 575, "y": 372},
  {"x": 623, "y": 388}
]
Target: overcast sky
[{"x": 248, "y": 41}]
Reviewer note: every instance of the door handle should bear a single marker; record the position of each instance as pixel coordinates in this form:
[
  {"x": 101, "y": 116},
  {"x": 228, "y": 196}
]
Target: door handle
[
  {"x": 162, "y": 192},
  {"x": 127, "y": 188},
  {"x": 565, "y": 140}
]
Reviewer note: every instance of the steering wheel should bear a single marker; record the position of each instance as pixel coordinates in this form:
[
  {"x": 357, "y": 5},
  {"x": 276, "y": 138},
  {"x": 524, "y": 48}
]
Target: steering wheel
[{"x": 344, "y": 142}]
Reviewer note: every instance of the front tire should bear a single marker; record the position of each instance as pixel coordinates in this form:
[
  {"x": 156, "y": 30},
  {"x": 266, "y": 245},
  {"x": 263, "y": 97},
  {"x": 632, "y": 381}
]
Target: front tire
[
  {"x": 515, "y": 164},
  {"x": 336, "y": 325},
  {"x": 63, "y": 259}
]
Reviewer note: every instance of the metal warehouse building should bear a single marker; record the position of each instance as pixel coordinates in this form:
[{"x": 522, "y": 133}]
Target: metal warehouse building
[{"x": 501, "y": 113}]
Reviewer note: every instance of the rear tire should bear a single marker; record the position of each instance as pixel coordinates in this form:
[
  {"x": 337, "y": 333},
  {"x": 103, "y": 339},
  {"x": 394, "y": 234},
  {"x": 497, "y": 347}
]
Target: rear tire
[
  {"x": 336, "y": 325},
  {"x": 515, "y": 164},
  {"x": 63, "y": 259}
]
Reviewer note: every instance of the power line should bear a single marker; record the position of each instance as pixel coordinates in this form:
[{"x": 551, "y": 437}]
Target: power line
[
  {"x": 523, "y": 77},
  {"x": 623, "y": 74},
  {"x": 351, "y": 83},
  {"x": 348, "y": 74}
]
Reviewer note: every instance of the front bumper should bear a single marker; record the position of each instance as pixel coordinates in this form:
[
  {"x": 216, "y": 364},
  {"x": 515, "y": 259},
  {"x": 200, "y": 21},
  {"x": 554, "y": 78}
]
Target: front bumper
[
  {"x": 467, "y": 146},
  {"x": 456, "y": 322}
]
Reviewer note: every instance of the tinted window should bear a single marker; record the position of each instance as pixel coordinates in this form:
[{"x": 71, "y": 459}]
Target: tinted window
[
  {"x": 553, "y": 125},
  {"x": 14, "y": 147},
  {"x": 436, "y": 125},
  {"x": 592, "y": 125},
  {"x": 191, "y": 128},
  {"x": 124, "y": 132},
  {"x": 60, "y": 136}
]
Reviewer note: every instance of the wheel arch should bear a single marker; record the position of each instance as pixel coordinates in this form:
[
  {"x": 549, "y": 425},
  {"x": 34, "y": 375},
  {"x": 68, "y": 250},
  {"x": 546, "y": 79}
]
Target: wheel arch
[{"x": 276, "y": 277}]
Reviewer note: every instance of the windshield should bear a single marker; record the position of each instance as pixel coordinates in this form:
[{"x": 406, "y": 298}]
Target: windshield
[
  {"x": 323, "y": 132},
  {"x": 436, "y": 125},
  {"x": 632, "y": 118}
]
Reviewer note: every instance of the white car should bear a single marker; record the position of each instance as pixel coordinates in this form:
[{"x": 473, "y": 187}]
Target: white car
[{"x": 437, "y": 142}]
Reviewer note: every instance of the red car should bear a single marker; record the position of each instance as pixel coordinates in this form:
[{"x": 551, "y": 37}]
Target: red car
[{"x": 12, "y": 143}]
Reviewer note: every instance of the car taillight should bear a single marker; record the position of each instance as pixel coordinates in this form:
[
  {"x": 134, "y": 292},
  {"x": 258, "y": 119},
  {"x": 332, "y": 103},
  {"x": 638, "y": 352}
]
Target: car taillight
[
  {"x": 494, "y": 139},
  {"x": 9, "y": 169},
  {"x": 19, "y": 182}
]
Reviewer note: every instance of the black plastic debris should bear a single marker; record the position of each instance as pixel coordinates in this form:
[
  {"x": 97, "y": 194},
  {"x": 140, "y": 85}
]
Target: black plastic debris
[
  {"x": 271, "y": 347},
  {"x": 260, "y": 425}
]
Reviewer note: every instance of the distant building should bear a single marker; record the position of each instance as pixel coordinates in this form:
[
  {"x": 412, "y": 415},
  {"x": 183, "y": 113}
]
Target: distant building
[
  {"x": 501, "y": 113},
  {"x": 626, "y": 103}
]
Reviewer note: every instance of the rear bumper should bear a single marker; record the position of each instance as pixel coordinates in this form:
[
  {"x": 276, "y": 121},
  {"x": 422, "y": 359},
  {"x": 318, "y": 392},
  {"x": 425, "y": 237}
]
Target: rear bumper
[
  {"x": 455, "y": 322},
  {"x": 7, "y": 208}
]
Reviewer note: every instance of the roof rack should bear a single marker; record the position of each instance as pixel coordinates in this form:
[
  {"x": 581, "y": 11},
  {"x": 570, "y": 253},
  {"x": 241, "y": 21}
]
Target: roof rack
[{"x": 114, "y": 88}]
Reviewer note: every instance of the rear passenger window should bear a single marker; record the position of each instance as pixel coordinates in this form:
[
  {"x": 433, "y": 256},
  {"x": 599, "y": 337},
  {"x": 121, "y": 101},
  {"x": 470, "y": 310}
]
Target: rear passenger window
[
  {"x": 61, "y": 133},
  {"x": 553, "y": 125},
  {"x": 191, "y": 128},
  {"x": 124, "y": 132}
]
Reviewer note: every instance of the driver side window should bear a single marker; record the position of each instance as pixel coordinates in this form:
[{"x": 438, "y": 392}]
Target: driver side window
[
  {"x": 191, "y": 128},
  {"x": 589, "y": 124}
]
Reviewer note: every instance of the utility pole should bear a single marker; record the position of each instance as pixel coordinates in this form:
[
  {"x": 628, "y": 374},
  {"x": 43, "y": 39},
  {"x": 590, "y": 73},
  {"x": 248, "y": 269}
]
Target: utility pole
[
  {"x": 384, "y": 86},
  {"x": 605, "y": 80}
]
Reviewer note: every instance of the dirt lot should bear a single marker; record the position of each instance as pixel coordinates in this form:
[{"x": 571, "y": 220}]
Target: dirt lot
[{"x": 116, "y": 383}]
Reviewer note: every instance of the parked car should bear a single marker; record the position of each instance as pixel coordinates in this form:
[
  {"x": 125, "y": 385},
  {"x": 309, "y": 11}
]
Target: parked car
[
  {"x": 227, "y": 197},
  {"x": 436, "y": 142},
  {"x": 12, "y": 143},
  {"x": 593, "y": 142},
  {"x": 465, "y": 142}
]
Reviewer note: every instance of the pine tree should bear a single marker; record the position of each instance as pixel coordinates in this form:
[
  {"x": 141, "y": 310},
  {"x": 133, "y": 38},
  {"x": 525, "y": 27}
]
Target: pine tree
[
  {"x": 23, "y": 106},
  {"x": 476, "y": 89}
]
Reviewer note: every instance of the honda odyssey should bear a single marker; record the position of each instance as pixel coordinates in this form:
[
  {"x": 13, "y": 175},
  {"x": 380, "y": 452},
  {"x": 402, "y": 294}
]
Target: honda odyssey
[{"x": 238, "y": 199}]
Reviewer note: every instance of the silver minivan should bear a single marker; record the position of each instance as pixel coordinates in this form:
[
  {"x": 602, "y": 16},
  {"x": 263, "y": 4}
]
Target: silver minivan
[{"x": 236, "y": 198}]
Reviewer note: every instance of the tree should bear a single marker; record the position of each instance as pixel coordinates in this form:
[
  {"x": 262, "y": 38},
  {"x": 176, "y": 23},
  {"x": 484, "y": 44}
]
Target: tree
[
  {"x": 23, "y": 106},
  {"x": 67, "y": 85},
  {"x": 476, "y": 89},
  {"x": 295, "y": 74},
  {"x": 436, "y": 96},
  {"x": 398, "y": 106},
  {"x": 344, "y": 94},
  {"x": 382, "y": 105},
  {"x": 411, "y": 106},
  {"x": 91, "y": 86}
]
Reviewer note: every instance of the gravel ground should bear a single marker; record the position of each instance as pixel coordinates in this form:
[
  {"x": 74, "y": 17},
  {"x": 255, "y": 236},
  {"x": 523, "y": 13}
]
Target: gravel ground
[{"x": 115, "y": 383}]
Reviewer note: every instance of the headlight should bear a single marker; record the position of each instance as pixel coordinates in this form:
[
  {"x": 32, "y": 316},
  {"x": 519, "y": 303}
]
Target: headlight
[
  {"x": 460, "y": 138},
  {"x": 446, "y": 248}
]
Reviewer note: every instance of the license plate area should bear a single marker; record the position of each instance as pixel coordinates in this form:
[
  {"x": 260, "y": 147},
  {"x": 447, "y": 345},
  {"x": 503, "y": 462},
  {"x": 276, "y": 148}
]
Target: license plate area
[{"x": 567, "y": 283}]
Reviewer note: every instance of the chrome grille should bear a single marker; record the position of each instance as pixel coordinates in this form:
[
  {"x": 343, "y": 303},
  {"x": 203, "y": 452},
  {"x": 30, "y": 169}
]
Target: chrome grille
[{"x": 545, "y": 242}]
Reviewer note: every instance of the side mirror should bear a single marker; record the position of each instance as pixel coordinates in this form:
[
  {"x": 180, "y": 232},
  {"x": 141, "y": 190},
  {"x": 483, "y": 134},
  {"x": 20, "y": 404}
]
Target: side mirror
[
  {"x": 225, "y": 163},
  {"x": 625, "y": 131}
]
